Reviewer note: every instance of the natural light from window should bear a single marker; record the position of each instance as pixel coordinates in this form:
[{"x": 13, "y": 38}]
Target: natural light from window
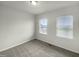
[
  {"x": 64, "y": 27},
  {"x": 43, "y": 24}
]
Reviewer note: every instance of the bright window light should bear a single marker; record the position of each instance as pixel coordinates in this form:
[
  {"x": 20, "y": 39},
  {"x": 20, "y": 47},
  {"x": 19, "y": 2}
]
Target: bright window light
[
  {"x": 64, "y": 27},
  {"x": 43, "y": 23}
]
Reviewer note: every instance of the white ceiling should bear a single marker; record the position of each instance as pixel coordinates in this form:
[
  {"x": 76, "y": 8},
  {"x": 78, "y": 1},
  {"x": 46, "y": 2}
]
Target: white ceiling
[{"x": 43, "y": 6}]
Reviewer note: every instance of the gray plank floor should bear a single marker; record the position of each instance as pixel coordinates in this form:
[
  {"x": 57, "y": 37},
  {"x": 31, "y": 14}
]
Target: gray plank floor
[{"x": 36, "y": 48}]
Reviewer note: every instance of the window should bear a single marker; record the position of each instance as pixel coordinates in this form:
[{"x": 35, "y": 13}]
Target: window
[
  {"x": 64, "y": 27},
  {"x": 43, "y": 26}
]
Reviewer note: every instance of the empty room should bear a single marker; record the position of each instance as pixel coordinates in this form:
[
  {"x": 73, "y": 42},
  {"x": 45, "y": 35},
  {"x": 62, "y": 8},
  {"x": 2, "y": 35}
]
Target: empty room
[{"x": 39, "y": 28}]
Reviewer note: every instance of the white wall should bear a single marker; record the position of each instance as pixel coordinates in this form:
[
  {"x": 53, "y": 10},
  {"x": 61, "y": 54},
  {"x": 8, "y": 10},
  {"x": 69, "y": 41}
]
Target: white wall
[
  {"x": 69, "y": 44},
  {"x": 16, "y": 27}
]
